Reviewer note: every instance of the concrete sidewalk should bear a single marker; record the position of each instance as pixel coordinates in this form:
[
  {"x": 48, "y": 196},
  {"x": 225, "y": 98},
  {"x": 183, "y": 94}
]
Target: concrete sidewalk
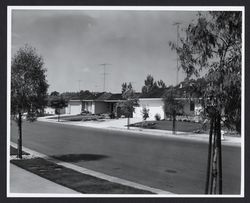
[
  {"x": 120, "y": 125},
  {"x": 22, "y": 181}
]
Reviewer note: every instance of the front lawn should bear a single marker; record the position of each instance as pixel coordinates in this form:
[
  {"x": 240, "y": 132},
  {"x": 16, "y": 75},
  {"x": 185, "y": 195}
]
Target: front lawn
[
  {"x": 182, "y": 126},
  {"x": 77, "y": 117}
]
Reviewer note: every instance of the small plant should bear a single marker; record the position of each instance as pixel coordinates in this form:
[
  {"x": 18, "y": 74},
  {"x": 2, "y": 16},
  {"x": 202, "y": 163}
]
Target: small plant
[
  {"x": 157, "y": 117},
  {"x": 112, "y": 115},
  {"x": 145, "y": 113}
]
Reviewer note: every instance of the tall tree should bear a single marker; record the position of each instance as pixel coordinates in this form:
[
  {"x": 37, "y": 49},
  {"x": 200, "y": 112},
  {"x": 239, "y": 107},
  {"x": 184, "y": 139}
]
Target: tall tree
[
  {"x": 28, "y": 87},
  {"x": 151, "y": 85},
  {"x": 172, "y": 106},
  {"x": 130, "y": 102},
  {"x": 213, "y": 45}
]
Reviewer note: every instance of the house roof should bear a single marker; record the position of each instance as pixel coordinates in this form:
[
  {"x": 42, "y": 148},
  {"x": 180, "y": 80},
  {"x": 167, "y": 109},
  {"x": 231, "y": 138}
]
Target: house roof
[
  {"x": 104, "y": 96},
  {"x": 115, "y": 97}
]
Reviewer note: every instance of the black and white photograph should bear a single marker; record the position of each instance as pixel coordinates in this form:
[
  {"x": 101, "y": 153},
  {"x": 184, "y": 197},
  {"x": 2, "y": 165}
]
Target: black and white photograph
[{"x": 125, "y": 101}]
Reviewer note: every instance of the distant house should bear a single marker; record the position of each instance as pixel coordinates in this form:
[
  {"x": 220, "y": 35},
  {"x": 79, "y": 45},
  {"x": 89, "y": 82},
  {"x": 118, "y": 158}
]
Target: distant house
[
  {"x": 154, "y": 102},
  {"x": 96, "y": 104},
  {"x": 104, "y": 102}
]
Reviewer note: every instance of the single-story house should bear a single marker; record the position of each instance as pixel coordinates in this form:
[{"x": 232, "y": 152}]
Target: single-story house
[
  {"x": 107, "y": 103},
  {"x": 153, "y": 101},
  {"x": 96, "y": 104},
  {"x": 156, "y": 106}
]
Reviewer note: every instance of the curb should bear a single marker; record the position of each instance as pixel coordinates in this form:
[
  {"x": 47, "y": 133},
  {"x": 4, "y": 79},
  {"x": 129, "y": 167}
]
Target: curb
[
  {"x": 94, "y": 173},
  {"x": 148, "y": 132}
]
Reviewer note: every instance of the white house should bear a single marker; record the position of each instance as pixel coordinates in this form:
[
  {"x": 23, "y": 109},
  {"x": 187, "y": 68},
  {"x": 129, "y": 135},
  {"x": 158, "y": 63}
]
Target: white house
[
  {"x": 154, "y": 105},
  {"x": 106, "y": 103}
]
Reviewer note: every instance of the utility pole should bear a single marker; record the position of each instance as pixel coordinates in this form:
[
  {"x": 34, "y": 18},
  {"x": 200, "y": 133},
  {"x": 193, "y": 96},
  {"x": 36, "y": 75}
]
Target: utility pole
[
  {"x": 79, "y": 85},
  {"x": 104, "y": 74},
  {"x": 177, "y": 24}
]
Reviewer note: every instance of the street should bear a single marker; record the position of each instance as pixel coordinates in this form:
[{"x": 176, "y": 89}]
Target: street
[{"x": 170, "y": 164}]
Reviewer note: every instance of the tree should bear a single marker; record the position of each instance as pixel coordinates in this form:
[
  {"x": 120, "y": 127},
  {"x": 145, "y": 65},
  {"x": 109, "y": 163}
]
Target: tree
[
  {"x": 213, "y": 45},
  {"x": 161, "y": 84},
  {"x": 150, "y": 85},
  {"x": 54, "y": 94},
  {"x": 126, "y": 87},
  {"x": 131, "y": 101},
  {"x": 58, "y": 103},
  {"x": 172, "y": 106},
  {"x": 28, "y": 87}
]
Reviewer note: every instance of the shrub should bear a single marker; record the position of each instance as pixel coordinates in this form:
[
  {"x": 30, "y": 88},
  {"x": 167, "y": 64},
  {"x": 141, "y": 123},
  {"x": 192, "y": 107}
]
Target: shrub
[
  {"x": 145, "y": 113},
  {"x": 157, "y": 117},
  {"x": 112, "y": 115}
]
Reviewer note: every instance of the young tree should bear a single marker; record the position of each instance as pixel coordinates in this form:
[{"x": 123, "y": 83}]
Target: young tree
[
  {"x": 131, "y": 101},
  {"x": 58, "y": 103},
  {"x": 172, "y": 106},
  {"x": 213, "y": 45},
  {"x": 28, "y": 87}
]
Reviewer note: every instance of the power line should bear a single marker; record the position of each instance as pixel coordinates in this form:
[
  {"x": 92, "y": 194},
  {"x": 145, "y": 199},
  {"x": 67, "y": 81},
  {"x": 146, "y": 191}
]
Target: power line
[{"x": 104, "y": 74}]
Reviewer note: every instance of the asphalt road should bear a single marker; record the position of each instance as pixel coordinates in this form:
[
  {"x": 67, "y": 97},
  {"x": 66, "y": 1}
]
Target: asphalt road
[{"x": 170, "y": 164}]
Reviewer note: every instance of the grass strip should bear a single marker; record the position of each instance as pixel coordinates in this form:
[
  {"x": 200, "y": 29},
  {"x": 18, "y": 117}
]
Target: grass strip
[
  {"x": 13, "y": 151},
  {"x": 167, "y": 125},
  {"x": 73, "y": 179}
]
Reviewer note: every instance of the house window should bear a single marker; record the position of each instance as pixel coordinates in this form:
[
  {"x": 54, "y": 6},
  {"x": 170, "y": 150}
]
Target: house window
[{"x": 191, "y": 106}]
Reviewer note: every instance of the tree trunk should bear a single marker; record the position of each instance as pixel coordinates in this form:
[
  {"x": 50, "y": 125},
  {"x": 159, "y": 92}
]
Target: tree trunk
[
  {"x": 174, "y": 123},
  {"x": 128, "y": 123},
  {"x": 209, "y": 156},
  {"x": 214, "y": 163},
  {"x": 58, "y": 116},
  {"x": 219, "y": 152},
  {"x": 19, "y": 147}
]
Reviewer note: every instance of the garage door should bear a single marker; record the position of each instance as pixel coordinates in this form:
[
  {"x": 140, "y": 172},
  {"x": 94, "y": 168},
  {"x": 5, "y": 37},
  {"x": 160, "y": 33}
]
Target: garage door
[{"x": 75, "y": 109}]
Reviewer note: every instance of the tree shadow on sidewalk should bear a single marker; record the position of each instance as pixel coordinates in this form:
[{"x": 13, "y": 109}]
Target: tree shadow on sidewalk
[{"x": 80, "y": 157}]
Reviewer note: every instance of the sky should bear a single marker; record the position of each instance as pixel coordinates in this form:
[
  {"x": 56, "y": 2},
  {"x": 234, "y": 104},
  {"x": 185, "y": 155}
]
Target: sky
[{"x": 73, "y": 44}]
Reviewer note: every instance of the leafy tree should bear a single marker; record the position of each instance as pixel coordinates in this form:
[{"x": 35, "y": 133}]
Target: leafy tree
[
  {"x": 128, "y": 105},
  {"x": 126, "y": 87},
  {"x": 145, "y": 113},
  {"x": 58, "y": 103},
  {"x": 150, "y": 85},
  {"x": 54, "y": 94},
  {"x": 161, "y": 84},
  {"x": 28, "y": 87},
  {"x": 172, "y": 106},
  {"x": 213, "y": 45}
]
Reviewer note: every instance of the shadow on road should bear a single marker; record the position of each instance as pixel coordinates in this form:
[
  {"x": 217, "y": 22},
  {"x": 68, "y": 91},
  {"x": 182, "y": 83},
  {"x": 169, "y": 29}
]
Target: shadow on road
[{"x": 80, "y": 157}]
